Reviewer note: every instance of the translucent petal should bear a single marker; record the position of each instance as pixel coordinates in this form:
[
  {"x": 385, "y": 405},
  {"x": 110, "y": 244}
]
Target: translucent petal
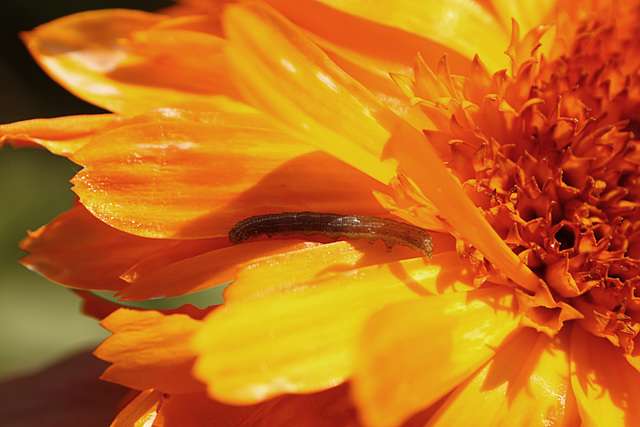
[
  {"x": 285, "y": 74},
  {"x": 413, "y": 353},
  {"x": 463, "y": 25},
  {"x": 526, "y": 383},
  {"x": 607, "y": 388}
]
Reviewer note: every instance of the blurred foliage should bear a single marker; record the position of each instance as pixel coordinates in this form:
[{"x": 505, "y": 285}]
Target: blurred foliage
[{"x": 41, "y": 321}]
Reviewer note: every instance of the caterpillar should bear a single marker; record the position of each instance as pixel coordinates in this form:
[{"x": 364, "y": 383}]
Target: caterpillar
[{"x": 334, "y": 226}]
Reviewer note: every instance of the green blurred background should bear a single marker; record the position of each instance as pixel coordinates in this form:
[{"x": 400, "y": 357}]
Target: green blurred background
[{"x": 40, "y": 322}]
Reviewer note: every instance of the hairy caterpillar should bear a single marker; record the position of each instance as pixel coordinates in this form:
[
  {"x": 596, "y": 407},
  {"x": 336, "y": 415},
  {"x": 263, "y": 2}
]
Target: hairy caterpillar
[{"x": 334, "y": 226}]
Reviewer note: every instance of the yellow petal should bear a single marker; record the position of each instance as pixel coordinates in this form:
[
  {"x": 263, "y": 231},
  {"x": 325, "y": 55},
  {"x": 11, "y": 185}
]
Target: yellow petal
[
  {"x": 526, "y": 383},
  {"x": 607, "y": 388},
  {"x": 276, "y": 272},
  {"x": 463, "y": 25},
  {"x": 413, "y": 353},
  {"x": 300, "y": 339},
  {"x": 376, "y": 45},
  {"x": 369, "y": 51},
  {"x": 527, "y": 13},
  {"x": 285, "y": 74},
  {"x": 283, "y": 272}
]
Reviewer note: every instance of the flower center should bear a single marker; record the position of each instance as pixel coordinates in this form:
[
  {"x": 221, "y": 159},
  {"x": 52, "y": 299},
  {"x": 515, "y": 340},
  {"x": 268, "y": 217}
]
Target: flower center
[{"x": 551, "y": 154}]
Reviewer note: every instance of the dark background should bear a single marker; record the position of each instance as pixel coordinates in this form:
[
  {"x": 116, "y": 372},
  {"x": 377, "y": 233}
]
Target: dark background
[{"x": 40, "y": 322}]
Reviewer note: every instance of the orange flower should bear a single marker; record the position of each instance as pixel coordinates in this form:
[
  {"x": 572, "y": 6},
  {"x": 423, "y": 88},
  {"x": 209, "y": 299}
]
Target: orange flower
[{"x": 527, "y": 178}]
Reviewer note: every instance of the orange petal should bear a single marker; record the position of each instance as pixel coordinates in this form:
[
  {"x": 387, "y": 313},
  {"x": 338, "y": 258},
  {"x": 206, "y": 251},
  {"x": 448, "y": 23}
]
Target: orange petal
[
  {"x": 78, "y": 250},
  {"x": 607, "y": 388},
  {"x": 150, "y": 350},
  {"x": 173, "y": 173},
  {"x": 141, "y": 411},
  {"x": 526, "y": 383},
  {"x": 413, "y": 353},
  {"x": 63, "y": 135},
  {"x": 203, "y": 271},
  {"x": 328, "y": 408},
  {"x": 159, "y": 67},
  {"x": 286, "y": 271},
  {"x": 299, "y": 340},
  {"x": 280, "y": 70}
]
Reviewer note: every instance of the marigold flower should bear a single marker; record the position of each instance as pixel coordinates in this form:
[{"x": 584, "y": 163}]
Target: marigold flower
[{"x": 524, "y": 167}]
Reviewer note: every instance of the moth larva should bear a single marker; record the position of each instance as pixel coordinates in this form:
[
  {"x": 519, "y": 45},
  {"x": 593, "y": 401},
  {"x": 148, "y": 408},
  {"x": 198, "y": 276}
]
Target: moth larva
[{"x": 334, "y": 226}]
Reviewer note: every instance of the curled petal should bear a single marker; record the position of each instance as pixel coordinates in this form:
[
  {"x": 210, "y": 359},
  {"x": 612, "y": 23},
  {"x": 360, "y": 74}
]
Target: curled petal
[{"x": 543, "y": 312}]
